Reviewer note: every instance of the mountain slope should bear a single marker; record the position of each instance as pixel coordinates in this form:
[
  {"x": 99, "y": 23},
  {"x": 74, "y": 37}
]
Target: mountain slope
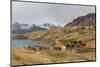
[
  {"x": 88, "y": 20},
  {"x": 67, "y": 34}
]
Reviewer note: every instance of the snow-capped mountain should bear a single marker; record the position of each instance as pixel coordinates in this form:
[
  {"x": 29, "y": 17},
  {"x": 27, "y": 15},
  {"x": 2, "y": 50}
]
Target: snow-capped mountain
[
  {"x": 49, "y": 26},
  {"x": 24, "y": 28},
  {"x": 18, "y": 28}
]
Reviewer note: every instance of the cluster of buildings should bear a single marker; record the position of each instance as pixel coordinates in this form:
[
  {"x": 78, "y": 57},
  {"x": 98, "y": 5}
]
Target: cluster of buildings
[{"x": 59, "y": 46}]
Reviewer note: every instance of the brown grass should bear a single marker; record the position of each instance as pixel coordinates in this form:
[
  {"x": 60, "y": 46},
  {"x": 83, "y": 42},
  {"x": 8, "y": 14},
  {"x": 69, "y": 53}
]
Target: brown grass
[{"x": 21, "y": 56}]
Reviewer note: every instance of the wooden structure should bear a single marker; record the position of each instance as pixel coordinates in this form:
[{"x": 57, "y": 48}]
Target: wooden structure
[
  {"x": 42, "y": 47},
  {"x": 58, "y": 46}
]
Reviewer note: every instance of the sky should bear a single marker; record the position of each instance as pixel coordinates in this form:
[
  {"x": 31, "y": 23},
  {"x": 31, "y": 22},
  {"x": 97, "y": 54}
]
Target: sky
[{"x": 40, "y": 13}]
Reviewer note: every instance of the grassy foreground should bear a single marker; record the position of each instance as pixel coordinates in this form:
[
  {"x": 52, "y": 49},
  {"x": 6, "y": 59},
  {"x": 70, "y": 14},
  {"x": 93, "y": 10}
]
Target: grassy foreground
[{"x": 22, "y": 56}]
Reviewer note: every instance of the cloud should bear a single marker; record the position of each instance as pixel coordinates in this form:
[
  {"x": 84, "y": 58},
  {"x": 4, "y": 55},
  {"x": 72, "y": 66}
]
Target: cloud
[{"x": 38, "y": 13}]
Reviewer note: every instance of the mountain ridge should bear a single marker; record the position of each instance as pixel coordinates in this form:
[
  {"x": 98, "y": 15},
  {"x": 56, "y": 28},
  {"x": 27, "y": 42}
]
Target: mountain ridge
[{"x": 87, "y": 20}]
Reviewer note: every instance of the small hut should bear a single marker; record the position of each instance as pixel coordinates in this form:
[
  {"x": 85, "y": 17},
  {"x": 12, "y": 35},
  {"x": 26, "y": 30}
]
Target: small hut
[
  {"x": 58, "y": 46},
  {"x": 42, "y": 47}
]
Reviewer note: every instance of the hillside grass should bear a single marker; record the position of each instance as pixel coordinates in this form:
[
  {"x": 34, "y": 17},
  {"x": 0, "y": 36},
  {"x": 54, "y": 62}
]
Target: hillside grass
[
  {"x": 67, "y": 34},
  {"x": 22, "y": 56}
]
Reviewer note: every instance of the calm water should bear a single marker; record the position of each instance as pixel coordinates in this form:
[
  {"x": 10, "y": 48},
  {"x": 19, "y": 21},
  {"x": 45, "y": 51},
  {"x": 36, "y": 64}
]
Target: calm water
[{"x": 25, "y": 43}]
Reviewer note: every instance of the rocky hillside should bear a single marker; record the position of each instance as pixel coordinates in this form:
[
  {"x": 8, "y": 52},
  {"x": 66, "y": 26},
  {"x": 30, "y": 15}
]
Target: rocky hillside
[
  {"x": 83, "y": 33},
  {"x": 88, "y": 20}
]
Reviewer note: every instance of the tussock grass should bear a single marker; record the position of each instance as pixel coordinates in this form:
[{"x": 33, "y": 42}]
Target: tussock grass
[{"x": 21, "y": 56}]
